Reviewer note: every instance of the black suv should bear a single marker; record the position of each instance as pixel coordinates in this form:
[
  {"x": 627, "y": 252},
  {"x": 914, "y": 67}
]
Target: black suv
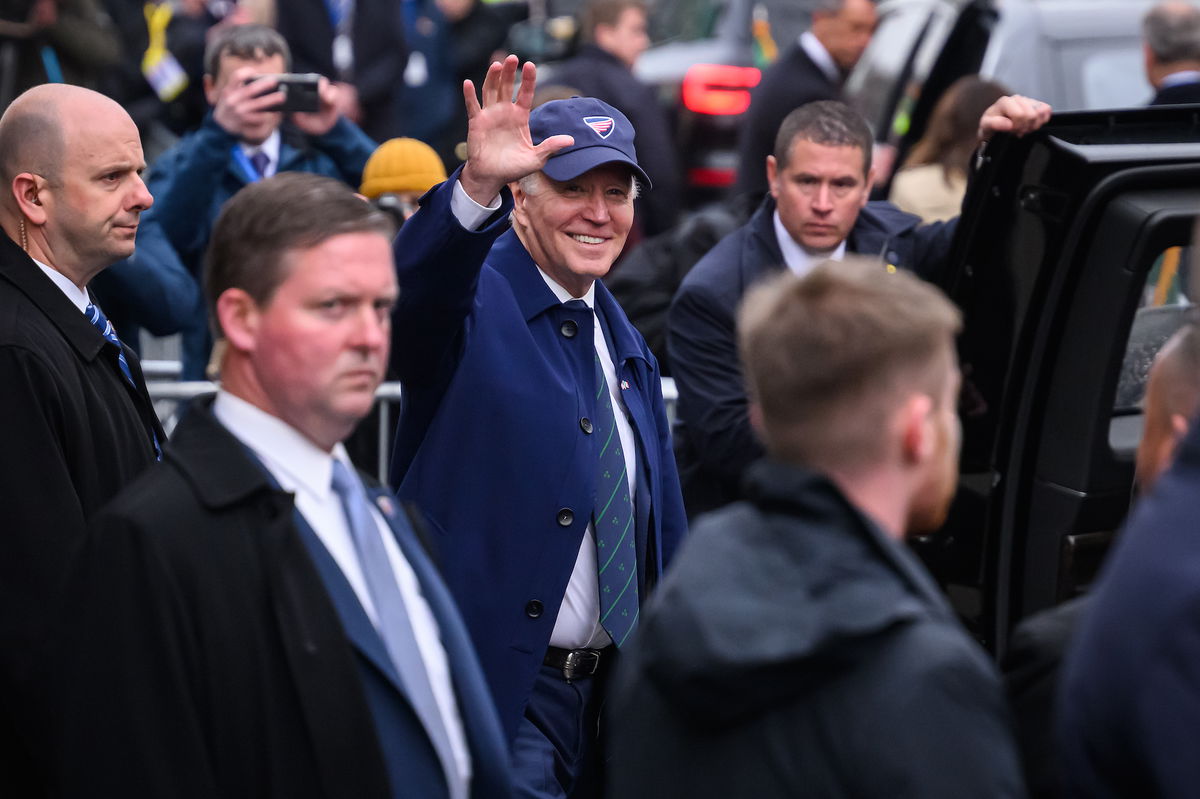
[{"x": 1066, "y": 293}]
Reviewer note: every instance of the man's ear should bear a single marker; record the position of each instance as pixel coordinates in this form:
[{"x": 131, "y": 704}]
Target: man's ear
[
  {"x": 239, "y": 316},
  {"x": 871, "y": 176},
  {"x": 210, "y": 90},
  {"x": 916, "y": 429},
  {"x": 772, "y": 173},
  {"x": 26, "y": 189},
  {"x": 519, "y": 197}
]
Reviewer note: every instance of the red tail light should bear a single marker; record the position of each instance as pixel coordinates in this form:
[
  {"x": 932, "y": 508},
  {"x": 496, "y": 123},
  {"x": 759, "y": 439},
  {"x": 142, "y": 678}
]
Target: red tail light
[{"x": 719, "y": 89}]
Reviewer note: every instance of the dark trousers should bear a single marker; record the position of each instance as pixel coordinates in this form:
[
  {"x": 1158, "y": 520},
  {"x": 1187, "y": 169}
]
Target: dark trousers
[{"x": 557, "y": 752}]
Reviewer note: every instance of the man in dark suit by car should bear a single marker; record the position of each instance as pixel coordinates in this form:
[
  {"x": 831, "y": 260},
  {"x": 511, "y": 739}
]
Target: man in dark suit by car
[
  {"x": 1171, "y": 33},
  {"x": 251, "y": 618},
  {"x": 75, "y": 419},
  {"x": 811, "y": 68},
  {"x": 820, "y": 177}
]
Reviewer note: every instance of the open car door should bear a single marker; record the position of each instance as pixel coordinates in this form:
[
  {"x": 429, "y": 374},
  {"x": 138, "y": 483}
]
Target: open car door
[{"x": 1069, "y": 275}]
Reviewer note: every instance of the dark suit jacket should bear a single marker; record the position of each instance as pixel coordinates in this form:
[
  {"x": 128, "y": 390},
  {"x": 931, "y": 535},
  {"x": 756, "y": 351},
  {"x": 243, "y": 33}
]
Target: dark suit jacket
[
  {"x": 714, "y": 440},
  {"x": 787, "y": 84},
  {"x": 74, "y": 432},
  {"x": 215, "y": 651},
  {"x": 1178, "y": 94}
]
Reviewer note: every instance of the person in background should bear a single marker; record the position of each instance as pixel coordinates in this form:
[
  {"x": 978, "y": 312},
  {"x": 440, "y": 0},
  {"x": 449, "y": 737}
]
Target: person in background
[
  {"x": 398, "y": 173},
  {"x": 359, "y": 45},
  {"x": 818, "y": 208},
  {"x": 243, "y": 139},
  {"x": 54, "y": 41},
  {"x": 614, "y": 36},
  {"x": 797, "y": 647},
  {"x": 933, "y": 179},
  {"x": 1171, "y": 49},
  {"x": 1033, "y": 661},
  {"x": 811, "y": 68},
  {"x": 477, "y": 32}
]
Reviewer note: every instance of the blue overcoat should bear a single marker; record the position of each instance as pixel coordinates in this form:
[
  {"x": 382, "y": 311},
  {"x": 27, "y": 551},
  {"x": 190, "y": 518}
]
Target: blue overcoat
[{"x": 497, "y": 377}]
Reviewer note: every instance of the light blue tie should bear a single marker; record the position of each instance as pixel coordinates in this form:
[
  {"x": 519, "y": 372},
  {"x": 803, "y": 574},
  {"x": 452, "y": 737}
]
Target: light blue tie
[
  {"x": 101, "y": 323},
  {"x": 394, "y": 625}
]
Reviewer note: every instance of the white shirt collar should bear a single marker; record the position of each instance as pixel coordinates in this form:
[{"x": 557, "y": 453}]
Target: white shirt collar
[
  {"x": 820, "y": 56},
  {"x": 563, "y": 295},
  {"x": 77, "y": 296},
  {"x": 270, "y": 147},
  {"x": 1183, "y": 76},
  {"x": 797, "y": 258},
  {"x": 296, "y": 462}
]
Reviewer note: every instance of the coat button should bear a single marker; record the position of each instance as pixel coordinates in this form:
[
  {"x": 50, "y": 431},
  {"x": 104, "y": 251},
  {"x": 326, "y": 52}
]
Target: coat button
[
  {"x": 585, "y": 424},
  {"x": 534, "y": 608},
  {"x": 569, "y": 328},
  {"x": 565, "y": 517}
]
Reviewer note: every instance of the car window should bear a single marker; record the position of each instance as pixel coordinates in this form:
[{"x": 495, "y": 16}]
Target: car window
[
  {"x": 1162, "y": 309},
  {"x": 1112, "y": 77}
]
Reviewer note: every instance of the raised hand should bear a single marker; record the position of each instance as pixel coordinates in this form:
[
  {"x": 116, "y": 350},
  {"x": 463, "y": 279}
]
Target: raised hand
[
  {"x": 244, "y": 104},
  {"x": 499, "y": 147},
  {"x": 321, "y": 121}
]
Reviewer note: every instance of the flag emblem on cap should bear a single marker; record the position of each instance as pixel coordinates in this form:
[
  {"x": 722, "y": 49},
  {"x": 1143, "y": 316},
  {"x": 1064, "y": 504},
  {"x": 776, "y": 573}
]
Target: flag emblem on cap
[{"x": 602, "y": 125}]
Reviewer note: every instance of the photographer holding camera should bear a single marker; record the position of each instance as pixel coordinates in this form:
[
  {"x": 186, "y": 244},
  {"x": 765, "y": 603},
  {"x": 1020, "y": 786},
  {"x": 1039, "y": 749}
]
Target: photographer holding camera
[{"x": 260, "y": 124}]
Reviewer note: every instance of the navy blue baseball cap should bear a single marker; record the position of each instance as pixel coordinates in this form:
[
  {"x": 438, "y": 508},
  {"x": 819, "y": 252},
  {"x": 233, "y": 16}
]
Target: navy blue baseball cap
[{"x": 603, "y": 135}]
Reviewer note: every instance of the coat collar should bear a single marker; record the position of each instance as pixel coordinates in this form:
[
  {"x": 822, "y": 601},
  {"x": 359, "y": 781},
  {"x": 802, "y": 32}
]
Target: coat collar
[
  {"x": 20, "y": 270},
  {"x": 200, "y": 441},
  {"x": 510, "y": 258}
]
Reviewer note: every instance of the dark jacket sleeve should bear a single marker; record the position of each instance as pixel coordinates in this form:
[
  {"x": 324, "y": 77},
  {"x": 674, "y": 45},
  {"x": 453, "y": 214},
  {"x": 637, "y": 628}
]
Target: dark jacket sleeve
[
  {"x": 702, "y": 338},
  {"x": 437, "y": 266}
]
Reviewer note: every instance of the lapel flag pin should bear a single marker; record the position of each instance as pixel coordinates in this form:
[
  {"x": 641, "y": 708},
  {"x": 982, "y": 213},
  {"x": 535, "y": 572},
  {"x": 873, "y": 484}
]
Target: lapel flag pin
[{"x": 624, "y": 385}]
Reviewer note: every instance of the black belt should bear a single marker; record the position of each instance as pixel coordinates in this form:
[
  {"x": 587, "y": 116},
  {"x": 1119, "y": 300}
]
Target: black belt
[{"x": 574, "y": 663}]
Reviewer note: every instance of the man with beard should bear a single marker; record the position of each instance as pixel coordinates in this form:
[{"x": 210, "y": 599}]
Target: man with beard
[{"x": 796, "y": 647}]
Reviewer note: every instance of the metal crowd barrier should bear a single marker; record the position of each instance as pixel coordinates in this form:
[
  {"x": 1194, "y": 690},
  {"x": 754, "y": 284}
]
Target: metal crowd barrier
[{"x": 169, "y": 394}]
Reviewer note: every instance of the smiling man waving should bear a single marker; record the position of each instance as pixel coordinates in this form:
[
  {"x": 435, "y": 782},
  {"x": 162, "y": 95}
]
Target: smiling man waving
[{"x": 533, "y": 432}]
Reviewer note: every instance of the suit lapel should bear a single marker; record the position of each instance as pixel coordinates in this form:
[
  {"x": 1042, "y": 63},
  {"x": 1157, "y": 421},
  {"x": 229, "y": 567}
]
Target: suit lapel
[
  {"x": 359, "y": 629},
  {"x": 475, "y": 705}
]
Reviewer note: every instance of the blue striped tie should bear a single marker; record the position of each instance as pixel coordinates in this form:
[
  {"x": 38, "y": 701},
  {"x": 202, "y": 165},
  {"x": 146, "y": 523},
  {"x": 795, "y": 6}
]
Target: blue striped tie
[
  {"x": 101, "y": 323},
  {"x": 612, "y": 516}
]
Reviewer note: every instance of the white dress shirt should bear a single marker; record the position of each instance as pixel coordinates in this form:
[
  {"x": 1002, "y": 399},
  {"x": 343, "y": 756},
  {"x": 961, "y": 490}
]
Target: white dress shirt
[
  {"x": 798, "y": 259},
  {"x": 77, "y": 296},
  {"x": 305, "y": 470}
]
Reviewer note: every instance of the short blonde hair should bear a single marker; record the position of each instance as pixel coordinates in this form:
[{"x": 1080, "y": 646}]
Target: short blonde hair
[{"x": 829, "y": 357}]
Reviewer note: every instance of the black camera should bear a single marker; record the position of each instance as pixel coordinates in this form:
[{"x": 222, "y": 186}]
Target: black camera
[{"x": 299, "y": 91}]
